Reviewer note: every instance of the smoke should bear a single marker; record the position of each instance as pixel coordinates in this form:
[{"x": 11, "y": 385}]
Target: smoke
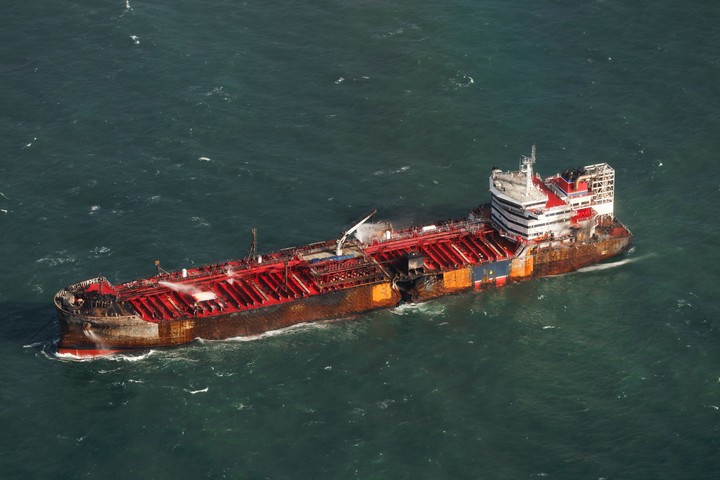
[
  {"x": 178, "y": 287},
  {"x": 368, "y": 232},
  {"x": 195, "y": 292}
]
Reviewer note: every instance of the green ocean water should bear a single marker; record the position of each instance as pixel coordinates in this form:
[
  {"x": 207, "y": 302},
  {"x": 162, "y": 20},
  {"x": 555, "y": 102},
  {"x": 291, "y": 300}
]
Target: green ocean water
[{"x": 166, "y": 130}]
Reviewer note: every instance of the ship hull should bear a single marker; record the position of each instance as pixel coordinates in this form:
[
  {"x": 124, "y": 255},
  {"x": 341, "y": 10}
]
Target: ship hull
[
  {"x": 546, "y": 260},
  {"x": 84, "y": 335}
]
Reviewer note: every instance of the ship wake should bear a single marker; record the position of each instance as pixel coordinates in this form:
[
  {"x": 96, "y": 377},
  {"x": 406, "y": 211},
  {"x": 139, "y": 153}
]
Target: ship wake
[
  {"x": 115, "y": 357},
  {"x": 606, "y": 266},
  {"x": 427, "y": 308},
  {"x": 272, "y": 333}
]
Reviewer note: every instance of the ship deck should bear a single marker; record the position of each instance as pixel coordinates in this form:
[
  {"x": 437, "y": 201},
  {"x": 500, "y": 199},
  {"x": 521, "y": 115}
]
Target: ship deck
[{"x": 294, "y": 273}]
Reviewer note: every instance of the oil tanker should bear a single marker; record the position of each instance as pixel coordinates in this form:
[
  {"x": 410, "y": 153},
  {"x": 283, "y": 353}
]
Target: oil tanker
[{"x": 532, "y": 227}]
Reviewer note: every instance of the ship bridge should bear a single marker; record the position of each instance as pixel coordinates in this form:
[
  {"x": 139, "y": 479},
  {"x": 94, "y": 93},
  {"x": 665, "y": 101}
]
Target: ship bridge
[{"x": 526, "y": 206}]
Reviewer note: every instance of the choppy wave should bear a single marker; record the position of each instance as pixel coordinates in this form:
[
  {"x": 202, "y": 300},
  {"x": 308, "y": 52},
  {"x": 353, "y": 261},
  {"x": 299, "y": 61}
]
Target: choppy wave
[
  {"x": 61, "y": 257},
  {"x": 461, "y": 80},
  {"x": 396, "y": 32},
  {"x": 194, "y": 392},
  {"x": 402, "y": 169}
]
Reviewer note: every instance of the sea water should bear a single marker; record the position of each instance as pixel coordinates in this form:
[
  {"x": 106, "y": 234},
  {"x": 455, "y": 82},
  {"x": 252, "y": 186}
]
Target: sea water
[{"x": 136, "y": 131}]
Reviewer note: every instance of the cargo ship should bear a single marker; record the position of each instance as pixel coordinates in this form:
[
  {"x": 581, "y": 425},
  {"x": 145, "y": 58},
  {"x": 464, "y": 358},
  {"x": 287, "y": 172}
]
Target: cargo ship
[{"x": 532, "y": 227}]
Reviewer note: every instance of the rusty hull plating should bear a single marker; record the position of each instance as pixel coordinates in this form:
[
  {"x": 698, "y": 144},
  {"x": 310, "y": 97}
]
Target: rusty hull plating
[{"x": 532, "y": 228}]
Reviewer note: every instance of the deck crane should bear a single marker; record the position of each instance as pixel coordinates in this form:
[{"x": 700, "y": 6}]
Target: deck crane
[{"x": 344, "y": 235}]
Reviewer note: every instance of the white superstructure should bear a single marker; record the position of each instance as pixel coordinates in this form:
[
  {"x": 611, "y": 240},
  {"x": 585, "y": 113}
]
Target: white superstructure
[{"x": 524, "y": 205}]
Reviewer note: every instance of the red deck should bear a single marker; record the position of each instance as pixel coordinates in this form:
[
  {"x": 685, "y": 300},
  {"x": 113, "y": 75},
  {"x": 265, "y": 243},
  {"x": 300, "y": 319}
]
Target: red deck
[
  {"x": 552, "y": 199},
  {"x": 288, "y": 274}
]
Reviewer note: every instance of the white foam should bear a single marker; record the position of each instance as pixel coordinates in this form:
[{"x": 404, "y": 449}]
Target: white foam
[
  {"x": 682, "y": 303},
  {"x": 128, "y": 358},
  {"x": 606, "y": 266},
  {"x": 204, "y": 159},
  {"x": 74, "y": 358},
  {"x": 428, "y": 308},
  {"x": 28, "y": 145},
  {"x": 384, "y": 404},
  {"x": 101, "y": 250},
  {"x": 193, "y": 392},
  {"x": 115, "y": 357},
  {"x": 55, "y": 261},
  {"x": 397, "y": 31},
  {"x": 200, "y": 222},
  {"x": 271, "y": 333},
  {"x": 102, "y": 371},
  {"x": 461, "y": 80},
  {"x": 135, "y": 39}
]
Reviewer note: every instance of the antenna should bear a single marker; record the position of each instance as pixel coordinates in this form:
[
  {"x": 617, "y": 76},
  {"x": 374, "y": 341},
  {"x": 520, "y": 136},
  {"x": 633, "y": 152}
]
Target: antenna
[
  {"x": 343, "y": 237},
  {"x": 527, "y": 167}
]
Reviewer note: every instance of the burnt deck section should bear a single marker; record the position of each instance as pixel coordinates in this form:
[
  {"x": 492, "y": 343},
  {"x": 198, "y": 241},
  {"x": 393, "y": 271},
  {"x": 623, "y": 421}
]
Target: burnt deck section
[
  {"x": 447, "y": 247},
  {"x": 293, "y": 274},
  {"x": 312, "y": 283}
]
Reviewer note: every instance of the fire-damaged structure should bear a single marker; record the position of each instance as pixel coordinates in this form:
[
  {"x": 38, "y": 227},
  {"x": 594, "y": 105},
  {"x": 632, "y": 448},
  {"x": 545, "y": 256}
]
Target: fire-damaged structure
[{"x": 532, "y": 227}]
